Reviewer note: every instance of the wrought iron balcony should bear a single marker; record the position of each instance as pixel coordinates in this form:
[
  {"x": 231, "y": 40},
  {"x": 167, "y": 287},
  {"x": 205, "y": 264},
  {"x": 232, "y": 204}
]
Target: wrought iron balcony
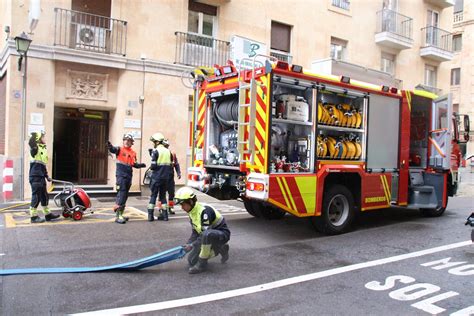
[
  {"x": 197, "y": 50},
  {"x": 436, "y": 44},
  {"x": 83, "y": 31},
  {"x": 458, "y": 17},
  {"x": 394, "y": 30}
]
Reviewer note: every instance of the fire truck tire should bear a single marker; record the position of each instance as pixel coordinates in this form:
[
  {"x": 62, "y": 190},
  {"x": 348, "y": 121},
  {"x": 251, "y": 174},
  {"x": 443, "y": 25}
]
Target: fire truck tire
[
  {"x": 253, "y": 207},
  {"x": 433, "y": 212},
  {"x": 338, "y": 211},
  {"x": 271, "y": 212}
]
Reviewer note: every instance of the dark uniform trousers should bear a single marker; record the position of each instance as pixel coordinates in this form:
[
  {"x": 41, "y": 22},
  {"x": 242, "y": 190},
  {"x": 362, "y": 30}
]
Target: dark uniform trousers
[
  {"x": 216, "y": 238},
  {"x": 39, "y": 193},
  {"x": 123, "y": 186}
]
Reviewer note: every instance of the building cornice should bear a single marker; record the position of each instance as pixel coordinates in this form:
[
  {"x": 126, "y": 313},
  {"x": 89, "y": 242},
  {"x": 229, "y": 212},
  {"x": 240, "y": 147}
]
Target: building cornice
[{"x": 57, "y": 53}]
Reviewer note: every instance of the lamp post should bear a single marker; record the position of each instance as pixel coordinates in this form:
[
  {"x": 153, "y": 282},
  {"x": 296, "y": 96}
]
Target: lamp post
[{"x": 22, "y": 44}]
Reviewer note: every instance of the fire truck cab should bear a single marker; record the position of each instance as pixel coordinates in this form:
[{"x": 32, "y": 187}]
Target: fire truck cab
[{"x": 286, "y": 140}]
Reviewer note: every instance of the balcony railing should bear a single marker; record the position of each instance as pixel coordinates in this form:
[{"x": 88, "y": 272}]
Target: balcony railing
[
  {"x": 283, "y": 56},
  {"x": 394, "y": 22},
  {"x": 343, "y": 4},
  {"x": 197, "y": 50},
  {"x": 79, "y": 30},
  {"x": 458, "y": 17},
  {"x": 433, "y": 36}
]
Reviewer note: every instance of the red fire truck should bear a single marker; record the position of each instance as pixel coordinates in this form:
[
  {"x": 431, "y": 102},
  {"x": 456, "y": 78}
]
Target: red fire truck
[{"x": 326, "y": 147}]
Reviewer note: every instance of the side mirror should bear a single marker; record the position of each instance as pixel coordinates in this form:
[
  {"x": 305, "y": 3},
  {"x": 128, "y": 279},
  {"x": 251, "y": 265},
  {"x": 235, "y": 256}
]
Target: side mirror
[{"x": 466, "y": 124}]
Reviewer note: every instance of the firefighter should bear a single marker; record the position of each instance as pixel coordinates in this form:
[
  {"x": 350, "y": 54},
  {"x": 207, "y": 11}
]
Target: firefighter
[
  {"x": 161, "y": 172},
  {"x": 126, "y": 159},
  {"x": 210, "y": 233},
  {"x": 38, "y": 177},
  {"x": 171, "y": 184}
]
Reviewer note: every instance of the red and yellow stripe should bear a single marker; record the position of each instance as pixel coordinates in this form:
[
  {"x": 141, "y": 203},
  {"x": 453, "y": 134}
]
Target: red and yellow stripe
[
  {"x": 201, "y": 119},
  {"x": 294, "y": 194}
]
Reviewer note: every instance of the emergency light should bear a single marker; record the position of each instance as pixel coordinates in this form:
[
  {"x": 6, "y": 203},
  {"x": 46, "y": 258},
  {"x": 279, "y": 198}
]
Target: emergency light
[
  {"x": 297, "y": 68},
  {"x": 345, "y": 79},
  {"x": 385, "y": 88}
]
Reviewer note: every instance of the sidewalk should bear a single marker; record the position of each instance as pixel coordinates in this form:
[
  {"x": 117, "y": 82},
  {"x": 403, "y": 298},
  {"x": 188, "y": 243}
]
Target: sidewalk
[{"x": 466, "y": 186}]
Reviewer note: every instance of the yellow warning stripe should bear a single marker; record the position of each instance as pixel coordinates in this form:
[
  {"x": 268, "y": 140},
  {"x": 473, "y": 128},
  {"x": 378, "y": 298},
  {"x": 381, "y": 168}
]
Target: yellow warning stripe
[
  {"x": 290, "y": 196},
  {"x": 385, "y": 188},
  {"x": 408, "y": 100},
  {"x": 266, "y": 80},
  {"x": 389, "y": 191},
  {"x": 283, "y": 191},
  {"x": 375, "y": 207}
]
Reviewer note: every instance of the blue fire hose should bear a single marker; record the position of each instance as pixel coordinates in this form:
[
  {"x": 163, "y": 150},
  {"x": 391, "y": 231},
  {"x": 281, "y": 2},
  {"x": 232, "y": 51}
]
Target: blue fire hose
[{"x": 162, "y": 257}]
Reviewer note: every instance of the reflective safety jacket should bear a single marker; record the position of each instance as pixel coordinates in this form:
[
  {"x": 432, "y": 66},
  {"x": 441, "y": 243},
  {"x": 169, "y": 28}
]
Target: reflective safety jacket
[
  {"x": 204, "y": 217},
  {"x": 126, "y": 159},
  {"x": 161, "y": 163},
  {"x": 38, "y": 161}
]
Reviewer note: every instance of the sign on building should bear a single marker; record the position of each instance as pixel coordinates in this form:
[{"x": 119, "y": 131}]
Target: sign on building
[{"x": 244, "y": 50}]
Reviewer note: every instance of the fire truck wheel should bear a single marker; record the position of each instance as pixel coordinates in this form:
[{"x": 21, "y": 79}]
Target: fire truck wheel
[
  {"x": 253, "y": 207},
  {"x": 66, "y": 214},
  {"x": 271, "y": 212},
  {"x": 433, "y": 212},
  {"x": 338, "y": 211}
]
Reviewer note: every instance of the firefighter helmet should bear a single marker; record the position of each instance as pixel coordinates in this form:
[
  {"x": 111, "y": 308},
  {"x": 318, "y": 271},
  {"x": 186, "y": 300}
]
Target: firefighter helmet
[
  {"x": 157, "y": 138},
  {"x": 128, "y": 136},
  {"x": 184, "y": 194}
]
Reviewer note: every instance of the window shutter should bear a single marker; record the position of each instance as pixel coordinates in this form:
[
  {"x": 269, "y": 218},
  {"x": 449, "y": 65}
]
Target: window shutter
[
  {"x": 201, "y": 7},
  {"x": 281, "y": 37}
]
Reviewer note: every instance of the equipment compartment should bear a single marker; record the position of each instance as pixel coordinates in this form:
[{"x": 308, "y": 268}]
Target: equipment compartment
[
  {"x": 341, "y": 122},
  {"x": 222, "y": 141},
  {"x": 292, "y": 130}
]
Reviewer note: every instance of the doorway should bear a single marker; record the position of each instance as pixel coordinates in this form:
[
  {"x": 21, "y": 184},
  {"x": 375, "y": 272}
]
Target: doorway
[{"x": 79, "y": 148}]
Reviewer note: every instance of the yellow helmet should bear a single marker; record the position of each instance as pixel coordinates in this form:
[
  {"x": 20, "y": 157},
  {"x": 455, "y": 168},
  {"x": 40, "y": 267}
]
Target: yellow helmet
[
  {"x": 184, "y": 194},
  {"x": 157, "y": 138}
]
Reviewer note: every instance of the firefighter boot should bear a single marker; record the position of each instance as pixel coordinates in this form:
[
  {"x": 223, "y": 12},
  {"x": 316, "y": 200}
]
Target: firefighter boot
[
  {"x": 151, "y": 218},
  {"x": 119, "y": 217},
  {"x": 48, "y": 215},
  {"x": 224, "y": 251},
  {"x": 36, "y": 219},
  {"x": 163, "y": 215},
  {"x": 199, "y": 267}
]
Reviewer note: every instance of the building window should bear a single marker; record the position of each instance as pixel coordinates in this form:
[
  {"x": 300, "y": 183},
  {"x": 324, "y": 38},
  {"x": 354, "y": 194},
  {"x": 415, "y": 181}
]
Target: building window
[
  {"x": 343, "y": 4},
  {"x": 338, "y": 48},
  {"x": 280, "y": 37},
  {"x": 280, "y": 41},
  {"x": 455, "y": 76},
  {"x": 457, "y": 42},
  {"x": 202, "y": 19},
  {"x": 430, "y": 76},
  {"x": 387, "y": 63}
]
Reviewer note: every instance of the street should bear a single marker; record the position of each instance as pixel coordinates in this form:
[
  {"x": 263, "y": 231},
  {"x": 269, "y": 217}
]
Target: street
[{"x": 276, "y": 267}]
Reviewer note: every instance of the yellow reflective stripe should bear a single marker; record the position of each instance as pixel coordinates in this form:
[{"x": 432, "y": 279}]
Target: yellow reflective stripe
[
  {"x": 290, "y": 196},
  {"x": 384, "y": 188},
  {"x": 389, "y": 191},
  {"x": 307, "y": 187},
  {"x": 409, "y": 100},
  {"x": 279, "y": 180}
]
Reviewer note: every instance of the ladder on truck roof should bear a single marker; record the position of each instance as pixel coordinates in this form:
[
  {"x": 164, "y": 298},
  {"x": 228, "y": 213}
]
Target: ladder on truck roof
[{"x": 248, "y": 112}]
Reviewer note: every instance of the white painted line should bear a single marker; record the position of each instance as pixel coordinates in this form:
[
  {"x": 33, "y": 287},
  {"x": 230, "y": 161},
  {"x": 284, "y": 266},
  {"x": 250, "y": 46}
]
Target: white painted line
[
  {"x": 268, "y": 286},
  {"x": 2, "y": 254}
]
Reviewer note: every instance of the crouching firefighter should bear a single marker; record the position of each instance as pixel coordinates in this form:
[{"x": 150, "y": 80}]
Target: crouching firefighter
[
  {"x": 37, "y": 177},
  {"x": 126, "y": 159},
  {"x": 210, "y": 233},
  {"x": 161, "y": 171}
]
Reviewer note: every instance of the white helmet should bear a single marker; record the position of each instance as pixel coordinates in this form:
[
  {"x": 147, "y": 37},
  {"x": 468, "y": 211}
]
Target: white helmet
[
  {"x": 157, "y": 138},
  {"x": 128, "y": 136}
]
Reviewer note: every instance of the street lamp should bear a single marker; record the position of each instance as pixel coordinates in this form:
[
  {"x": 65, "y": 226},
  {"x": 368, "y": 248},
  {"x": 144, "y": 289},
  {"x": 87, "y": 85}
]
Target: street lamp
[{"x": 22, "y": 44}]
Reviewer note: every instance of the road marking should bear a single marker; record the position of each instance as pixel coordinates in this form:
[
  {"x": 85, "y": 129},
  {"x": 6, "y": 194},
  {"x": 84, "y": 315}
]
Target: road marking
[{"x": 268, "y": 286}]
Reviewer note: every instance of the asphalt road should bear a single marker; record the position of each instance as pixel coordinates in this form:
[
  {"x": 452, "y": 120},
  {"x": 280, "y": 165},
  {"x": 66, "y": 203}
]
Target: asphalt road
[{"x": 385, "y": 266}]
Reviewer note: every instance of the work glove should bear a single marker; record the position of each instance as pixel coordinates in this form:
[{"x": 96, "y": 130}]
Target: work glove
[
  {"x": 179, "y": 176},
  {"x": 139, "y": 165},
  {"x": 150, "y": 151},
  {"x": 109, "y": 145},
  {"x": 470, "y": 220},
  {"x": 187, "y": 247},
  {"x": 48, "y": 179}
]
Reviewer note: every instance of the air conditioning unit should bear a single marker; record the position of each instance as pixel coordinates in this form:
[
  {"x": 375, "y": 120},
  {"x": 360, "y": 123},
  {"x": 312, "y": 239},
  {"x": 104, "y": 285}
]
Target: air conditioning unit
[{"x": 91, "y": 37}]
